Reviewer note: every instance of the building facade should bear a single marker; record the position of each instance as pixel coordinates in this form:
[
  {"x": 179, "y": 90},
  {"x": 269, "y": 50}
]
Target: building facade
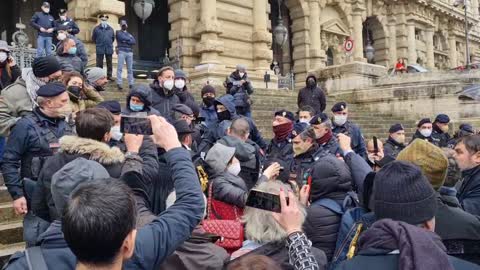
[{"x": 209, "y": 37}]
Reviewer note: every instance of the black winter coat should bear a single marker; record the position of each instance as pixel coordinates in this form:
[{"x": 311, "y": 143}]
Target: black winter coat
[
  {"x": 469, "y": 191},
  {"x": 281, "y": 150},
  {"x": 392, "y": 148},
  {"x": 321, "y": 227},
  {"x": 72, "y": 147},
  {"x": 230, "y": 189},
  {"x": 161, "y": 102},
  {"x": 313, "y": 97}
]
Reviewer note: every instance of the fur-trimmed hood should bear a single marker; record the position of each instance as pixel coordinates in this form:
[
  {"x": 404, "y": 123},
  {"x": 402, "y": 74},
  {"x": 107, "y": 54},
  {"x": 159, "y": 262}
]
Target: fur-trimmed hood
[{"x": 98, "y": 151}]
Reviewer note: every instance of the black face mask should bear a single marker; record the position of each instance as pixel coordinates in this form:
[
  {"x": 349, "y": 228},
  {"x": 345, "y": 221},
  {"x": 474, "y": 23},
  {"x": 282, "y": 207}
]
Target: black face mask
[
  {"x": 75, "y": 91},
  {"x": 311, "y": 83},
  {"x": 225, "y": 115},
  {"x": 124, "y": 28},
  {"x": 208, "y": 101}
]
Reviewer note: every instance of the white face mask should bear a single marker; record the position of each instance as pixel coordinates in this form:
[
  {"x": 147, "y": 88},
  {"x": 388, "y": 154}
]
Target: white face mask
[
  {"x": 61, "y": 36},
  {"x": 340, "y": 120},
  {"x": 116, "y": 134},
  {"x": 241, "y": 74},
  {"x": 63, "y": 18},
  {"x": 306, "y": 121},
  {"x": 3, "y": 56},
  {"x": 426, "y": 132},
  {"x": 179, "y": 84},
  {"x": 46, "y": 10},
  {"x": 234, "y": 168},
  {"x": 168, "y": 84}
]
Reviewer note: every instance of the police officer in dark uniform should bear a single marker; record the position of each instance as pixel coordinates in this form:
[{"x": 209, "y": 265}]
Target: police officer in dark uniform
[
  {"x": 395, "y": 142},
  {"x": 280, "y": 147},
  {"x": 306, "y": 152},
  {"x": 326, "y": 140},
  {"x": 33, "y": 139},
  {"x": 342, "y": 125},
  {"x": 440, "y": 130}
]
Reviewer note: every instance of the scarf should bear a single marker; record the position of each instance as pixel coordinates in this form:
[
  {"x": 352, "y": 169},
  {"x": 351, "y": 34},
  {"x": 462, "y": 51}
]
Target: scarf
[
  {"x": 282, "y": 131},
  {"x": 33, "y": 84},
  {"x": 326, "y": 138},
  {"x": 419, "y": 249}
]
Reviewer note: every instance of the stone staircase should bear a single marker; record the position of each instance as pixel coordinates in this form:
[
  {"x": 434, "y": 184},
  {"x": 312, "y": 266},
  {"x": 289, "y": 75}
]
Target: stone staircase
[{"x": 11, "y": 231}]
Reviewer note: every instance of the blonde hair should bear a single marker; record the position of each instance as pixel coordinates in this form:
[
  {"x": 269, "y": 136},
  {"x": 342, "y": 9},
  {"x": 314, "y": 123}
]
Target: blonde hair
[{"x": 260, "y": 225}]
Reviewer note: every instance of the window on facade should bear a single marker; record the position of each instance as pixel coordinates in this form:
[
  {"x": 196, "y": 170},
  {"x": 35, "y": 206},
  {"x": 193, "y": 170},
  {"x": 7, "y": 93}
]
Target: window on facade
[
  {"x": 330, "y": 57},
  {"x": 418, "y": 34}
]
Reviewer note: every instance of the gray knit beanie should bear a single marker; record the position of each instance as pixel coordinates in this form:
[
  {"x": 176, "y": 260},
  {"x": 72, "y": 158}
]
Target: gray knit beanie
[
  {"x": 94, "y": 74},
  {"x": 403, "y": 193}
]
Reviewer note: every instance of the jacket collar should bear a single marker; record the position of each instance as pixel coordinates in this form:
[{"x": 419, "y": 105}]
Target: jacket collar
[
  {"x": 395, "y": 143},
  {"x": 471, "y": 172},
  {"x": 98, "y": 151}
]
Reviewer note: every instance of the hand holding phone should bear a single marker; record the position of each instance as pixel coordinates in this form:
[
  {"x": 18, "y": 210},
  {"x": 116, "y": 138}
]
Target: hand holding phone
[
  {"x": 263, "y": 200},
  {"x": 135, "y": 125},
  {"x": 290, "y": 217}
]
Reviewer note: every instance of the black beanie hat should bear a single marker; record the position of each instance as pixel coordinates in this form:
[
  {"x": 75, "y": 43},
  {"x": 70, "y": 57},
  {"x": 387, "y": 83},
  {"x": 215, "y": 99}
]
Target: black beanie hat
[
  {"x": 45, "y": 66},
  {"x": 424, "y": 121},
  {"x": 403, "y": 193},
  {"x": 208, "y": 89}
]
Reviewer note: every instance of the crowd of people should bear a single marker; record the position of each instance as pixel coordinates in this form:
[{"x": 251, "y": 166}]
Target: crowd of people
[{"x": 94, "y": 196}]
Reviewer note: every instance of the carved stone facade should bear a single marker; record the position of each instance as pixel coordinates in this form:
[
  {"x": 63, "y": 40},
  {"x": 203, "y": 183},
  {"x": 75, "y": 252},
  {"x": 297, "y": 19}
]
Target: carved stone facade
[{"x": 218, "y": 34}]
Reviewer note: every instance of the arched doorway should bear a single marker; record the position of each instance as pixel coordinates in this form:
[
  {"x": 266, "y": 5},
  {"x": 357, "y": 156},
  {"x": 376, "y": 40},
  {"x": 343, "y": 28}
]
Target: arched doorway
[
  {"x": 374, "y": 37},
  {"x": 152, "y": 36},
  {"x": 282, "y": 55}
]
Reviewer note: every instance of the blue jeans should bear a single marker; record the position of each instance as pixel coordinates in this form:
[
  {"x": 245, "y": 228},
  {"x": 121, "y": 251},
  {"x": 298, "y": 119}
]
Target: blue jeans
[
  {"x": 2, "y": 147},
  {"x": 125, "y": 57},
  {"x": 44, "y": 44}
]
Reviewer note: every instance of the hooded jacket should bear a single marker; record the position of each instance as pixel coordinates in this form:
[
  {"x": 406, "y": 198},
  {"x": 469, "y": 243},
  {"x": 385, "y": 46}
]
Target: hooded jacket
[
  {"x": 144, "y": 93},
  {"x": 249, "y": 157},
  {"x": 314, "y": 97},
  {"x": 72, "y": 147},
  {"x": 161, "y": 102},
  {"x": 331, "y": 179},
  {"x": 227, "y": 187}
]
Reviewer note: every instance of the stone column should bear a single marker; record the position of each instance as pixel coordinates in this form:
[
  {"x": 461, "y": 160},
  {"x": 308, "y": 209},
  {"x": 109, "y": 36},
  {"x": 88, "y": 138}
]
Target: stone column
[
  {"x": 452, "y": 52},
  {"x": 412, "y": 44},
  {"x": 358, "y": 35},
  {"x": 209, "y": 46},
  {"x": 317, "y": 55},
  {"x": 392, "y": 27},
  {"x": 262, "y": 55},
  {"x": 430, "y": 48}
]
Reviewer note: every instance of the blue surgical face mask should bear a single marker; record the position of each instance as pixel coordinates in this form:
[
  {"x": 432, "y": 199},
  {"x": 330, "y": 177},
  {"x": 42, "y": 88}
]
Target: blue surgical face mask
[
  {"x": 136, "y": 108},
  {"x": 72, "y": 51}
]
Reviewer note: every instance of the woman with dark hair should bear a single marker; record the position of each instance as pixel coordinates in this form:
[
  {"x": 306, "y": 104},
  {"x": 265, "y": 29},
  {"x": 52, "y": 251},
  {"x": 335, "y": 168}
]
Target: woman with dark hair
[{"x": 81, "y": 97}]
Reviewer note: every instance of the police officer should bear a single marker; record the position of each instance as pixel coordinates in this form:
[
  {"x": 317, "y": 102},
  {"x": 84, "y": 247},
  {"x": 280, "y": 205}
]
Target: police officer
[
  {"x": 280, "y": 147},
  {"x": 33, "y": 139},
  {"x": 342, "y": 125},
  {"x": 395, "y": 142},
  {"x": 325, "y": 138},
  {"x": 440, "y": 130},
  {"x": 70, "y": 25}
]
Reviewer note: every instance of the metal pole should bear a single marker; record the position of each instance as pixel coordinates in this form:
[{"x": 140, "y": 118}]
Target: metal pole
[{"x": 467, "y": 49}]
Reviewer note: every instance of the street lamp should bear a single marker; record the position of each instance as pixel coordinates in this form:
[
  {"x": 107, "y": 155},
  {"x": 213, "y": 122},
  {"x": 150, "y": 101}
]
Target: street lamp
[
  {"x": 280, "y": 32},
  {"x": 143, "y": 8}
]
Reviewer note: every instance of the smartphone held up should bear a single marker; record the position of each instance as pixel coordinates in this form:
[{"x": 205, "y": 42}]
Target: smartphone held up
[
  {"x": 265, "y": 201},
  {"x": 139, "y": 125}
]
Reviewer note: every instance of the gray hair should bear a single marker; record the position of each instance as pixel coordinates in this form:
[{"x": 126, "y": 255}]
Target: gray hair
[
  {"x": 327, "y": 123},
  {"x": 260, "y": 226},
  {"x": 41, "y": 101}
]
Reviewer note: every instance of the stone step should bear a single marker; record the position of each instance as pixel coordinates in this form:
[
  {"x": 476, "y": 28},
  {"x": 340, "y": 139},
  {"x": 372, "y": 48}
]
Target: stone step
[
  {"x": 7, "y": 213},
  {"x": 7, "y": 250},
  {"x": 11, "y": 232},
  {"x": 4, "y": 195}
]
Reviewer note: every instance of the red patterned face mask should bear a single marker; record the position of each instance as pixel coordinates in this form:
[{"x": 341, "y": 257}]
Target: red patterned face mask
[{"x": 282, "y": 131}]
